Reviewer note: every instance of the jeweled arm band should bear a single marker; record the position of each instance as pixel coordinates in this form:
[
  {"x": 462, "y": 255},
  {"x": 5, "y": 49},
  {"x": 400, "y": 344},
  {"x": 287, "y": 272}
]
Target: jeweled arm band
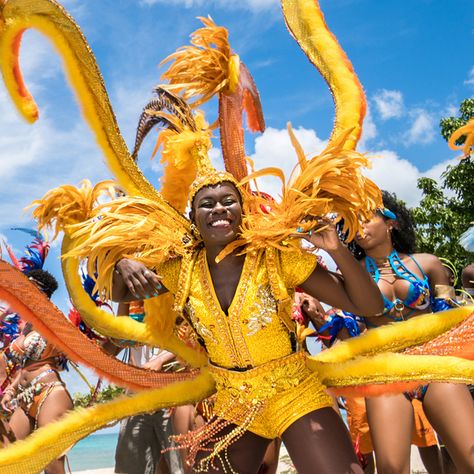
[
  {"x": 444, "y": 291},
  {"x": 444, "y": 298}
]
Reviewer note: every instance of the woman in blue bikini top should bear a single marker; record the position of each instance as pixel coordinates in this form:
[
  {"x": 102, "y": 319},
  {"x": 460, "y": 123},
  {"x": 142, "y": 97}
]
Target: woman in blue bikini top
[{"x": 411, "y": 284}]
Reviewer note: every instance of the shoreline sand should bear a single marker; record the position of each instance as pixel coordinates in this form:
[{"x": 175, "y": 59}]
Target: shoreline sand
[{"x": 416, "y": 465}]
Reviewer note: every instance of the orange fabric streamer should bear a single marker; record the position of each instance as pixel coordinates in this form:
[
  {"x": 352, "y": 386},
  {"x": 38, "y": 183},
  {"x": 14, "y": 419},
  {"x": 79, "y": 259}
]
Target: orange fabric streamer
[
  {"x": 24, "y": 298},
  {"x": 450, "y": 343}
]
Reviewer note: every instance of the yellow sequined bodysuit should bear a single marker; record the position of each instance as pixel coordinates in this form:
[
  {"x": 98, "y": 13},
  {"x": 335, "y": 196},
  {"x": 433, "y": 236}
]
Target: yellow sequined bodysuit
[{"x": 263, "y": 385}]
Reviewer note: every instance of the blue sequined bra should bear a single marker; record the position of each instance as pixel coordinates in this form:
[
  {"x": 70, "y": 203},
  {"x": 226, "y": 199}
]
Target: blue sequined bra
[{"x": 418, "y": 297}]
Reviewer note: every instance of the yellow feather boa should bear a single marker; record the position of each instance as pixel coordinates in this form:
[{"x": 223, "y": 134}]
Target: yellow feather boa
[
  {"x": 33, "y": 454},
  {"x": 396, "y": 336}
]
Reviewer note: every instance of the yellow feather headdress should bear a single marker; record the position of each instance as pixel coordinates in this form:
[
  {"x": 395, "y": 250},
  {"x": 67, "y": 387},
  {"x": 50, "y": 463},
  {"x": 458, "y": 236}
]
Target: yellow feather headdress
[
  {"x": 208, "y": 67},
  {"x": 204, "y": 68},
  {"x": 185, "y": 142}
]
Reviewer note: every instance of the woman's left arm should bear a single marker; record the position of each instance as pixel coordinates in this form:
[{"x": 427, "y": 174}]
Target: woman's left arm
[
  {"x": 436, "y": 272},
  {"x": 443, "y": 295},
  {"x": 353, "y": 290}
]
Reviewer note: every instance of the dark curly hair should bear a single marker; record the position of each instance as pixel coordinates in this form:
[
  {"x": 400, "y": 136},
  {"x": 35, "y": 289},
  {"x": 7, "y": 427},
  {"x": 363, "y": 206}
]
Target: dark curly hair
[
  {"x": 403, "y": 232},
  {"x": 46, "y": 282}
]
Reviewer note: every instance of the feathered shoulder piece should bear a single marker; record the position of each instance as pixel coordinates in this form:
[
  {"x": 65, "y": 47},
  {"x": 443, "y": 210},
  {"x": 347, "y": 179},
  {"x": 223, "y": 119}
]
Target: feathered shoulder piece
[
  {"x": 65, "y": 205},
  {"x": 130, "y": 227},
  {"x": 149, "y": 231},
  {"x": 330, "y": 185}
]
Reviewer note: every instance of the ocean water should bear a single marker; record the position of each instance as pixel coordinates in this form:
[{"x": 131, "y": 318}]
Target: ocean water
[{"x": 94, "y": 452}]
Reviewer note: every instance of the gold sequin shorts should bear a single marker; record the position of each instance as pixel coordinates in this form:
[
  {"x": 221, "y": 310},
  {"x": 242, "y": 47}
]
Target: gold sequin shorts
[{"x": 278, "y": 393}]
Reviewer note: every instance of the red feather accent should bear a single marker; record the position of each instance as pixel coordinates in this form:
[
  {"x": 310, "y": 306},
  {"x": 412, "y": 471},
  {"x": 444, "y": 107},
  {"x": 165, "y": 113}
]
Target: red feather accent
[
  {"x": 74, "y": 316},
  {"x": 14, "y": 260}
]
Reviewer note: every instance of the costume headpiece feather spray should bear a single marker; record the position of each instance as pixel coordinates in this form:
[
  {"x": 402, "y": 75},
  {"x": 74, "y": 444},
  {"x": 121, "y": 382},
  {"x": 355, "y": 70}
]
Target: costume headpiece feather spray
[{"x": 35, "y": 253}]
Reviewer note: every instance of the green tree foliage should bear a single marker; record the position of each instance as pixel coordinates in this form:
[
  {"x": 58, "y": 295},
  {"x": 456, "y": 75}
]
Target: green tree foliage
[
  {"x": 447, "y": 209},
  {"x": 104, "y": 395},
  {"x": 450, "y": 124}
]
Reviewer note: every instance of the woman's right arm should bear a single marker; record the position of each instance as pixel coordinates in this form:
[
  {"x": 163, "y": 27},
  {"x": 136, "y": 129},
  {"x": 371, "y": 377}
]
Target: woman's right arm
[{"x": 132, "y": 280}]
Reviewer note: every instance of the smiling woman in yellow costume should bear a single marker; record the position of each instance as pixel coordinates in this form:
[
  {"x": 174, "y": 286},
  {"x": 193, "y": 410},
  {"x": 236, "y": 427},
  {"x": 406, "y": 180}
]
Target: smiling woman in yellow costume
[{"x": 230, "y": 269}]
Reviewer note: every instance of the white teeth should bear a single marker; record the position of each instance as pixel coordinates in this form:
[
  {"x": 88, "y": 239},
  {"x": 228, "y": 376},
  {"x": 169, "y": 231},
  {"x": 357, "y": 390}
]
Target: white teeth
[{"x": 220, "y": 222}]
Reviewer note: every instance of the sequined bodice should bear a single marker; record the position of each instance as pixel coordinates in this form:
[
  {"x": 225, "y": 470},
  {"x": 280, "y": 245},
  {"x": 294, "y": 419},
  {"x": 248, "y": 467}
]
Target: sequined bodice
[
  {"x": 253, "y": 331},
  {"x": 32, "y": 348}
]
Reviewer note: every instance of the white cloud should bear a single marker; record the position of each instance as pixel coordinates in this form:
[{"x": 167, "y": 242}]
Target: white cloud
[
  {"x": 470, "y": 79},
  {"x": 397, "y": 175},
  {"x": 389, "y": 104},
  {"x": 369, "y": 130},
  {"x": 273, "y": 148},
  {"x": 450, "y": 110},
  {"x": 389, "y": 171},
  {"x": 423, "y": 128},
  {"x": 231, "y": 4}
]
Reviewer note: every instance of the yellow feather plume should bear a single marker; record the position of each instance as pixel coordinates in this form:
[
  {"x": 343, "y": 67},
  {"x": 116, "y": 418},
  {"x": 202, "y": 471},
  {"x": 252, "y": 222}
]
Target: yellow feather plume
[
  {"x": 130, "y": 227},
  {"x": 66, "y": 205},
  {"x": 179, "y": 159},
  {"x": 390, "y": 368},
  {"x": 204, "y": 68},
  {"x": 305, "y": 20}
]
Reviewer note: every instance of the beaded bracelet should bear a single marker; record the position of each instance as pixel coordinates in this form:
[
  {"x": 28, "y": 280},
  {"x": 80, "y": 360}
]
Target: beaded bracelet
[{"x": 10, "y": 391}]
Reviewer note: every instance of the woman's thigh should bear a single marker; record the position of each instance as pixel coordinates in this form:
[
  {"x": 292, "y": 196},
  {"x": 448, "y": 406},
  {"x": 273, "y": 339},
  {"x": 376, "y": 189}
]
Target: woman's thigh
[
  {"x": 245, "y": 455},
  {"x": 391, "y": 423},
  {"x": 271, "y": 458},
  {"x": 20, "y": 424},
  {"x": 450, "y": 409},
  {"x": 319, "y": 442},
  {"x": 54, "y": 406}
]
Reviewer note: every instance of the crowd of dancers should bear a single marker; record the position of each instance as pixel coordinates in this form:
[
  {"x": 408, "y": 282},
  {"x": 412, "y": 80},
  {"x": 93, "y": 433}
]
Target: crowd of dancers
[{"x": 219, "y": 286}]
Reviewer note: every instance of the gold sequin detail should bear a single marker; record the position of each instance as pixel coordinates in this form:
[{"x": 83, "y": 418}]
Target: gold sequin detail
[
  {"x": 263, "y": 310},
  {"x": 265, "y": 400},
  {"x": 261, "y": 382},
  {"x": 229, "y": 326},
  {"x": 228, "y": 338},
  {"x": 200, "y": 328}
]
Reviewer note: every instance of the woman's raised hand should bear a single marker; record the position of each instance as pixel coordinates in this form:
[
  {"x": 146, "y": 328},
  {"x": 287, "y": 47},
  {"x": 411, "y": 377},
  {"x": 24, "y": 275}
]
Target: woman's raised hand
[
  {"x": 323, "y": 236},
  {"x": 140, "y": 281}
]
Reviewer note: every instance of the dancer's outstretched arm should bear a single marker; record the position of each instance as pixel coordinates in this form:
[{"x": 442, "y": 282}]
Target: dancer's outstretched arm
[{"x": 353, "y": 290}]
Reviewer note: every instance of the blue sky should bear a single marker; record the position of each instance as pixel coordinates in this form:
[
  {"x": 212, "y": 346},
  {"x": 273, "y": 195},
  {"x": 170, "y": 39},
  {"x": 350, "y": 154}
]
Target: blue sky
[{"x": 414, "y": 59}]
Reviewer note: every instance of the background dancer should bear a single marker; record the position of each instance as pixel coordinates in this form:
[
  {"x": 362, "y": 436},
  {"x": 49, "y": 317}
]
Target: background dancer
[
  {"x": 412, "y": 284},
  {"x": 37, "y": 395},
  {"x": 143, "y": 437}
]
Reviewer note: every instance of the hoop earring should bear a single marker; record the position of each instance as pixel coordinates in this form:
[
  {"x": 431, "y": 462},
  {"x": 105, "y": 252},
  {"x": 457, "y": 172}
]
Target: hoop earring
[{"x": 195, "y": 231}]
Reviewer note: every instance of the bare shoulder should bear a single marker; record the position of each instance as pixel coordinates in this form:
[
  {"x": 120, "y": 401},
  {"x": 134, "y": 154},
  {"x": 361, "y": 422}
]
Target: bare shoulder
[
  {"x": 433, "y": 267},
  {"x": 427, "y": 260}
]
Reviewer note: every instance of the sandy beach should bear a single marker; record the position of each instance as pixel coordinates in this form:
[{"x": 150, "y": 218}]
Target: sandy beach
[{"x": 416, "y": 465}]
